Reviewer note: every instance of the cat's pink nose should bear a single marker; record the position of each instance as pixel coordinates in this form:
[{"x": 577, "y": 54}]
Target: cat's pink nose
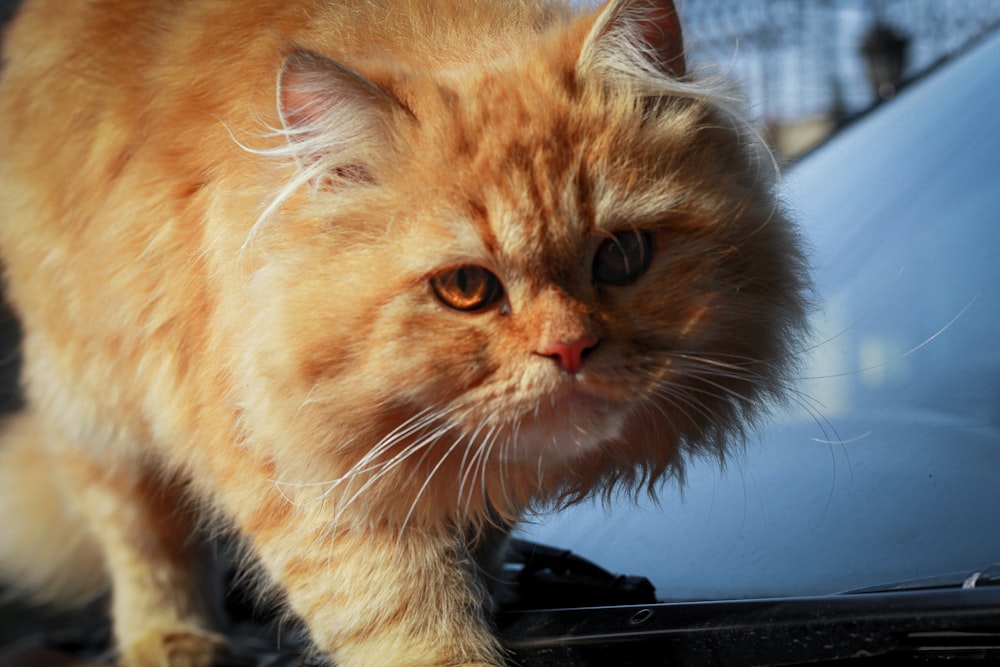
[{"x": 569, "y": 354}]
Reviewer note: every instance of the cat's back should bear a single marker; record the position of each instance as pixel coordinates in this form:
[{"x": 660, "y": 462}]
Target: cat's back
[
  {"x": 85, "y": 83},
  {"x": 112, "y": 41}
]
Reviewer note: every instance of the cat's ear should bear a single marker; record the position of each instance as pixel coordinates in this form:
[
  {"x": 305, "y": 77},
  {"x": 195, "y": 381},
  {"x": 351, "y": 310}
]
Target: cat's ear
[
  {"x": 334, "y": 118},
  {"x": 635, "y": 37}
]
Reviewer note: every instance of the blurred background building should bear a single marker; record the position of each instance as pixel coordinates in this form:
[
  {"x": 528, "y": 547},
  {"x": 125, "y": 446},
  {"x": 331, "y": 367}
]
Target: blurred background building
[{"x": 808, "y": 66}]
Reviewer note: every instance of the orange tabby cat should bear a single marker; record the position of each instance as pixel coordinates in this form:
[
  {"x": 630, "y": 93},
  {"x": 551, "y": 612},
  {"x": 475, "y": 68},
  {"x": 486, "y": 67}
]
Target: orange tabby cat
[{"x": 357, "y": 278}]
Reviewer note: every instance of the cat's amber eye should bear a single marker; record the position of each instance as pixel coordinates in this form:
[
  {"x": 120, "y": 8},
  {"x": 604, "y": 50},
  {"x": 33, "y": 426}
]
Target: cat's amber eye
[
  {"x": 622, "y": 258},
  {"x": 467, "y": 288}
]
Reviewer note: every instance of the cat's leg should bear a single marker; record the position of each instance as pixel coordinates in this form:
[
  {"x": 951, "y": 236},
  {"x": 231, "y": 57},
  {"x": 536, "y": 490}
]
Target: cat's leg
[
  {"x": 161, "y": 609},
  {"x": 372, "y": 596},
  {"x": 161, "y": 604}
]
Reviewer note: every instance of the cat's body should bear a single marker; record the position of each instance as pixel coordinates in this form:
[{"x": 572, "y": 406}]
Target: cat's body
[{"x": 498, "y": 254}]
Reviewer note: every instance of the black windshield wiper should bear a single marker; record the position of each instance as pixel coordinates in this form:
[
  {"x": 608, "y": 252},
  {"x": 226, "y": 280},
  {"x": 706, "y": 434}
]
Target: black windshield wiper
[
  {"x": 953, "y": 617},
  {"x": 874, "y": 628}
]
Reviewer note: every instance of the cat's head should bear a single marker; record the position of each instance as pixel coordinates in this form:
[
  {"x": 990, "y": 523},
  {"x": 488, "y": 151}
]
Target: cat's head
[{"x": 524, "y": 278}]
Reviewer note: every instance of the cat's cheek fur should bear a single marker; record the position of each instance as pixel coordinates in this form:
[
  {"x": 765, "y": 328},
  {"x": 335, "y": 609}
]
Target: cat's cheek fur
[{"x": 299, "y": 348}]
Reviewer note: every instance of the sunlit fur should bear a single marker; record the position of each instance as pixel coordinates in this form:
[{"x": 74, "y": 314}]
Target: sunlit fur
[{"x": 218, "y": 222}]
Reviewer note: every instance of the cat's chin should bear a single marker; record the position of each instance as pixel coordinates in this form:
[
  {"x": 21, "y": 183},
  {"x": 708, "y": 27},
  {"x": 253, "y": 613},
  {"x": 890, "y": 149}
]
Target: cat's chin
[{"x": 568, "y": 425}]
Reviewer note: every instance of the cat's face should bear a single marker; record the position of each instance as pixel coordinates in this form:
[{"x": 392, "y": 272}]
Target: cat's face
[
  {"x": 554, "y": 282},
  {"x": 541, "y": 272}
]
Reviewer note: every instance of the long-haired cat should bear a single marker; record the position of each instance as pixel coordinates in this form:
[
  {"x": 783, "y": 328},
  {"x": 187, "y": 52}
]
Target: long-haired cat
[{"x": 358, "y": 279}]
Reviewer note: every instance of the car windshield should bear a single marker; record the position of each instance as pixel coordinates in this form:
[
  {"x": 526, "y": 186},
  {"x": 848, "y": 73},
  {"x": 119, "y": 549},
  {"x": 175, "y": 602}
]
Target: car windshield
[{"x": 884, "y": 467}]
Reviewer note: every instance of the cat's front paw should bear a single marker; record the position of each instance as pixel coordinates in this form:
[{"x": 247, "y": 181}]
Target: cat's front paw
[{"x": 175, "y": 647}]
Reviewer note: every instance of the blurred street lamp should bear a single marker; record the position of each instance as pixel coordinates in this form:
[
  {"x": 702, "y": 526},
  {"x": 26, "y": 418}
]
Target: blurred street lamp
[{"x": 884, "y": 51}]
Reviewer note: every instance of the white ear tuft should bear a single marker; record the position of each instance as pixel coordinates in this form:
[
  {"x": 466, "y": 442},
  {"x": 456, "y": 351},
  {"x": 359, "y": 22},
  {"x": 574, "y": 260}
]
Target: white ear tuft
[
  {"x": 635, "y": 37},
  {"x": 333, "y": 117}
]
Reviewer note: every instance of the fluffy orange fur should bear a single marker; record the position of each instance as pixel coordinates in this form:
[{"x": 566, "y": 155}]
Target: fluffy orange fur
[{"x": 224, "y": 228}]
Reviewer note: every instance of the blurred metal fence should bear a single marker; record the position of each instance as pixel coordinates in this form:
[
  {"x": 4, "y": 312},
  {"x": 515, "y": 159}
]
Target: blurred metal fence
[{"x": 803, "y": 58}]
